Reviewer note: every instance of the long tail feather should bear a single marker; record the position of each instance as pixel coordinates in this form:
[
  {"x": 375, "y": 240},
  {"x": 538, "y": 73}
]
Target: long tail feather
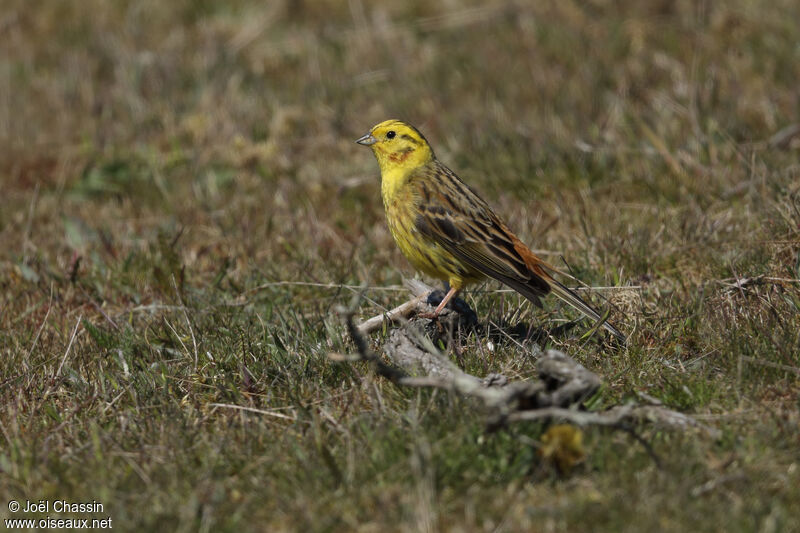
[{"x": 575, "y": 301}]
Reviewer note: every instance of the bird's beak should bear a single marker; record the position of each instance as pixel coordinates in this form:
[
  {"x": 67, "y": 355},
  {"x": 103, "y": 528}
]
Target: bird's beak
[{"x": 367, "y": 140}]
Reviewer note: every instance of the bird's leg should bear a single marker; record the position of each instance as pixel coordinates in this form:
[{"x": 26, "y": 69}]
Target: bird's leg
[
  {"x": 447, "y": 297},
  {"x": 452, "y": 292}
]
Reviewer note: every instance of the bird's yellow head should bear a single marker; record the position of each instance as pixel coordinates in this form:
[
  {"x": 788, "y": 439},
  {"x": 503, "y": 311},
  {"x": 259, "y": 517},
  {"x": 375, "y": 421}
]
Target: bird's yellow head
[{"x": 397, "y": 145}]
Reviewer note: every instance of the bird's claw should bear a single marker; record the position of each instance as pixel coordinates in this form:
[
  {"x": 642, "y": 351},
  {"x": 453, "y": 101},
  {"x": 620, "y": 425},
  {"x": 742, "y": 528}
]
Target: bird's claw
[{"x": 456, "y": 304}]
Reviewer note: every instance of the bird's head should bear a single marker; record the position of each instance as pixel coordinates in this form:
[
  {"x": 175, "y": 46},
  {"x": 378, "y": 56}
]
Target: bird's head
[{"x": 397, "y": 145}]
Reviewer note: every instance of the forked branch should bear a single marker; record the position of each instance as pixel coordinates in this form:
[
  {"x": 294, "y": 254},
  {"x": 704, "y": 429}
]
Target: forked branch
[{"x": 558, "y": 395}]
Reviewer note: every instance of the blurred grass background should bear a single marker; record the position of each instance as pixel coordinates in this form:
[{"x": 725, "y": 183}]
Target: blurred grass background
[{"x": 170, "y": 170}]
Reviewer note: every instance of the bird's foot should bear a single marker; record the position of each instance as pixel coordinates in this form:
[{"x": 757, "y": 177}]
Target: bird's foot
[{"x": 456, "y": 304}]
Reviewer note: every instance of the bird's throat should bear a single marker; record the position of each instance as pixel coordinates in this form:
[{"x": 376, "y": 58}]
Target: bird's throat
[{"x": 392, "y": 181}]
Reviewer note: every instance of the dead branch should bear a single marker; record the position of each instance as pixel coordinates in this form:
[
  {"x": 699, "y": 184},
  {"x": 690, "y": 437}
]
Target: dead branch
[
  {"x": 563, "y": 386},
  {"x": 618, "y": 416},
  {"x": 402, "y": 311}
]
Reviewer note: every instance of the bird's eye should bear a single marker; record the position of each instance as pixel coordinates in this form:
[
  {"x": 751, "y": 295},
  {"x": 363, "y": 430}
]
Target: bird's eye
[{"x": 390, "y": 134}]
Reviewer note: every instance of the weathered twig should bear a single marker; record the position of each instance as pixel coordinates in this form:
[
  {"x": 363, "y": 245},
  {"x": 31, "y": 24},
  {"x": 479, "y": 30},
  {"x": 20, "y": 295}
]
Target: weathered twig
[
  {"x": 618, "y": 416},
  {"x": 402, "y": 311}
]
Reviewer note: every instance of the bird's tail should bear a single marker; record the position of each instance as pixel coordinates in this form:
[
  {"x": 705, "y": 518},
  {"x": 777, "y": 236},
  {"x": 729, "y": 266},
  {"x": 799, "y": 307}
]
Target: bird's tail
[{"x": 575, "y": 301}]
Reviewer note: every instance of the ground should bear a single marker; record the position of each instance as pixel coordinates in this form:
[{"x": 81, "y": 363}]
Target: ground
[{"x": 182, "y": 208}]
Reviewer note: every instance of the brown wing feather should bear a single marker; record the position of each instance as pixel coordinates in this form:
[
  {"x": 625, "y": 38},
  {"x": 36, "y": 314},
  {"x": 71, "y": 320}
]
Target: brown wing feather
[{"x": 456, "y": 218}]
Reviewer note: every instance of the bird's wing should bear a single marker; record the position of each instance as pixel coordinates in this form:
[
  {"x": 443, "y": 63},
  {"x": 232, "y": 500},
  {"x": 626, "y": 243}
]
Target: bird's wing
[{"x": 454, "y": 217}]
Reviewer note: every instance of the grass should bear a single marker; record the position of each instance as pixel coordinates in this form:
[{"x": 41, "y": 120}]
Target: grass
[{"x": 182, "y": 207}]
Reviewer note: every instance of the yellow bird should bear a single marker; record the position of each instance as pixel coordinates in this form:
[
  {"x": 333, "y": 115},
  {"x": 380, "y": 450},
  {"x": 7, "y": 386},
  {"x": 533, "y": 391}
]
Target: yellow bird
[{"x": 447, "y": 231}]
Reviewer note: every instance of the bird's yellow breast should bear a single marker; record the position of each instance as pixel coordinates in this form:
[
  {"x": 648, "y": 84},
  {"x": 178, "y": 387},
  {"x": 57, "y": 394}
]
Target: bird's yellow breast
[{"x": 401, "y": 201}]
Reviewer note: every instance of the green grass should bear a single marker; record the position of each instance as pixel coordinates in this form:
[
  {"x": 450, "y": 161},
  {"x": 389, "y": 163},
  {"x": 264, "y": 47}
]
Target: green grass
[{"x": 164, "y": 165}]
